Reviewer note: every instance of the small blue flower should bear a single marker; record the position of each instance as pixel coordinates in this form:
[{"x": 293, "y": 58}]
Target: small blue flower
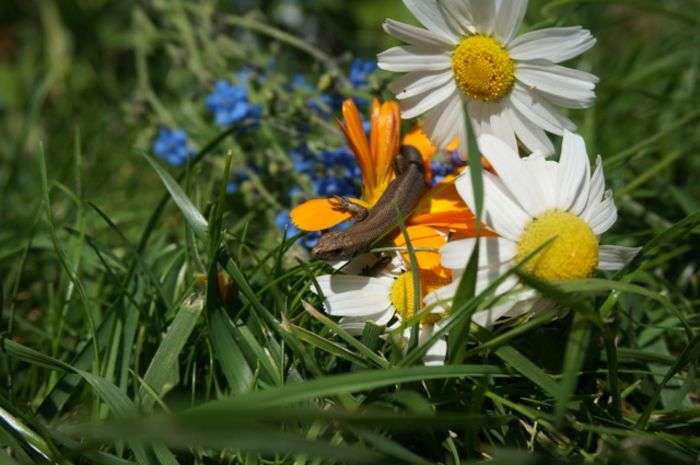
[
  {"x": 299, "y": 82},
  {"x": 303, "y": 160},
  {"x": 295, "y": 192},
  {"x": 229, "y": 103},
  {"x": 360, "y": 71},
  {"x": 171, "y": 146},
  {"x": 440, "y": 171},
  {"x": 341, "y": 157}
]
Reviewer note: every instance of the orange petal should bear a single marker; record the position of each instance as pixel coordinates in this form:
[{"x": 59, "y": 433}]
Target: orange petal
[
  {"x": 357, "y": 140},
  {"x": 442, "y": 197},
  {"x": 317, "y": 215},
  {"x": 422, "y": 237},
  {"x": 418, "y": 139},
  {"x": 389, "y": 132}
]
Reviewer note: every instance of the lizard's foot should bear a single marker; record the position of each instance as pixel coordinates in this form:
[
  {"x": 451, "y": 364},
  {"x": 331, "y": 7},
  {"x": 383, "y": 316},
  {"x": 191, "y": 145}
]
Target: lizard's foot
[{"x": 358, "y": 212}]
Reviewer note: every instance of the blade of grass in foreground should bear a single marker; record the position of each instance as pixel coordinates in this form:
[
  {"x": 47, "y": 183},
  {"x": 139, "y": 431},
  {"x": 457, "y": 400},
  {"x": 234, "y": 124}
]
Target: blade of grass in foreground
[
  {"x": 120, "y": 405},
  {"x": 467, "y": 285},
  {"x": 353, "y": 382},
  {"x": 183, "y": 202}
]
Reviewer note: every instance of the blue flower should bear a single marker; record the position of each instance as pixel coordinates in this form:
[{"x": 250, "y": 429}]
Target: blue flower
[
  {"x": 299, "y": 82},
  {"x": 171, "y": 146},
  {"x": 334, "y": 185},
  {"x": 360, "y": 71},
  {"x": 340, "y": 157},
  {"x": 229, "y": 103},
  {"x": 440, "y": 171},
  {"x": 303, "y": 160}
]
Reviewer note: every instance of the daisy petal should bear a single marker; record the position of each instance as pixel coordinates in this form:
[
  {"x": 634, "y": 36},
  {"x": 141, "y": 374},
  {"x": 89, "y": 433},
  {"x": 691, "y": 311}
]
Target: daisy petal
[
  {"x": 486, "y": 318},
  {"x": 546, "y": 174},
  {"x": 539, "y": 111},
  {"x": 615, "y": 257},
  {"x": 531, "y": 135},
  {"x": 511, "y": 171},
  {"x": 596, "y": 191},
  {"x": 418, "y": 82},
  {"x": 606, "y": 215},
  {"x": 355, "y": 325},
  {"x": 491, "y": 118},
  {"x": 455, "y": 254},
  {"x": 458, "y": 16},
  {"x": 555, "y": 44},
  {"x": 417, "y": 36},
  {"x": 415, "y": 106},
  {"x": 571, "y": 86},
  {"x": 429, "y": 15},
  {"x": 502, "y": 213},
  {"x": 445, "y": 122},
  {"x": 573, "y": 173},
  {"x": 508, "y": 19},
  {"x": 407, "y": 58},
  {"x": 355, "y": 296},
  {"x": 492, "y": 251},
  {"x": 436, "y": 353},
  {"x": 483, "y": 15}
]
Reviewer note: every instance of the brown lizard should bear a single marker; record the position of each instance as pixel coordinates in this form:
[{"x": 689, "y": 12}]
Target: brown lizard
[{"x": 399, "y": 199}]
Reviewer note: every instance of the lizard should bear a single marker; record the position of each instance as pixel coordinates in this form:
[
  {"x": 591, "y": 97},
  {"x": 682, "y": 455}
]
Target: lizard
[{"x": 398, "y": 200}]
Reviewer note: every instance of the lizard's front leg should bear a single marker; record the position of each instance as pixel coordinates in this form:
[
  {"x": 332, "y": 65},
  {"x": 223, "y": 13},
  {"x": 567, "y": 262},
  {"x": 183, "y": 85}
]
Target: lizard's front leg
[{"x": 358, "y": 212}]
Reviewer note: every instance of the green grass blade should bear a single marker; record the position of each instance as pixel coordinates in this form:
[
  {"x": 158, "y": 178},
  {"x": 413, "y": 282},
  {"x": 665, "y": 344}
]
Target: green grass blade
[{"x": 192, "y": 215}]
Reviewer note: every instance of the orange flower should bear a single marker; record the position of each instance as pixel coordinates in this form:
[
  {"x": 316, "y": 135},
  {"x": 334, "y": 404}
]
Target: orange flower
[{"x": 440, "y": 211}]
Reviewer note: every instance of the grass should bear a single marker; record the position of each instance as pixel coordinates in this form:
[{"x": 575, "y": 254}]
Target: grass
[{"x": 149, "y": 317}]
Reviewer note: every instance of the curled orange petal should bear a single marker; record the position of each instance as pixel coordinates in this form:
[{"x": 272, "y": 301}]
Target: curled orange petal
[
  {"x": 357, "y": 140},
  {"x": 422, "y": 237},
  {"x": 317, "y": 215}
]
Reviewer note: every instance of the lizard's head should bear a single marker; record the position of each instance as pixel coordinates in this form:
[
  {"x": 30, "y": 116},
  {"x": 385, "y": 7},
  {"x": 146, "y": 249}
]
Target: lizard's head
[{"x": 333, "y": 246}]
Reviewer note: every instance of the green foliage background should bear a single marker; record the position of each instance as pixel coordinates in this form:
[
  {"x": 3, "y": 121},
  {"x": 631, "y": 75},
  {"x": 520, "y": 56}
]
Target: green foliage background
[{"x": 106, "y": 320}]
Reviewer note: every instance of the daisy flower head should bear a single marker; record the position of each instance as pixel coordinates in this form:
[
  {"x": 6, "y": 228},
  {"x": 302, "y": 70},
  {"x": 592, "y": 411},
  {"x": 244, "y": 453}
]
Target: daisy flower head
[
  {"x": 468, "y": 55},
  {"x": 547, "y": 215},
  {"x": 387, "y": 299}
]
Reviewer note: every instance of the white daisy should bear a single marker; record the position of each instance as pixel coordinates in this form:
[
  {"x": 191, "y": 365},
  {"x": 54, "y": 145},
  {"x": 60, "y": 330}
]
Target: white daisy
[
  {"x": 533, "y": 201},
  {"x": 387, "y": 300},
  {"x": 469, "y": 54}
]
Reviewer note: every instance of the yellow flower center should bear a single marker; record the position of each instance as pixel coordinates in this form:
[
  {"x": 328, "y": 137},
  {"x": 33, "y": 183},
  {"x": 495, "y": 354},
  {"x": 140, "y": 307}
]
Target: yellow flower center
[
  {"x": 483, "y": 68},
  {"x": 402, "y": 294},
  {"x": 572, "y": 253}
]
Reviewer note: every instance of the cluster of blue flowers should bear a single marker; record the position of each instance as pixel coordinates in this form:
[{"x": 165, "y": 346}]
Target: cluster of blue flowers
[
  {"x": 441, "y": 169},
  {"x": 229, "y": 104},
  {"x": 171, "y": 145},
  {"x": 330, "y": 102},
  {"x": 332, "y": 172}
]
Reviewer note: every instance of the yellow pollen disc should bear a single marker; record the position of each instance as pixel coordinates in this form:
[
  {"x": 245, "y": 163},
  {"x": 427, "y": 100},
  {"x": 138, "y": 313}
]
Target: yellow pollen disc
[
  {"x": 483, "y": 68},
  {"x": 402, "y": 294},
  {"x": 572, "y": 254}
]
